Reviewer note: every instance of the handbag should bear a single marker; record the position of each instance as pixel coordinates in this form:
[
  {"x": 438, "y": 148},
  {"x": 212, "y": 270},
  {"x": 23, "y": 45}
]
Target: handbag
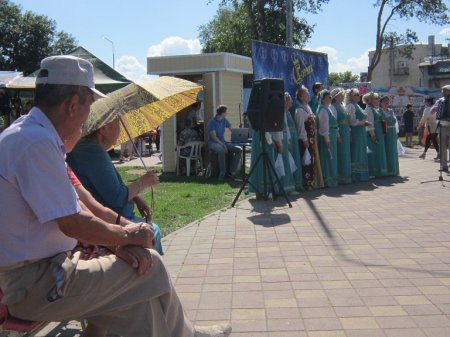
[
  {"x": 292, "y": 164},
  {"x": 279, "y": 166},
  {"x": 306, "y": 159}
]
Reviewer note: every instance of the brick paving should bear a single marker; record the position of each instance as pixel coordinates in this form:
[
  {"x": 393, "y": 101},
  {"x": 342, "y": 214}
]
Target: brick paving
[{"x": 365, "y": 260}]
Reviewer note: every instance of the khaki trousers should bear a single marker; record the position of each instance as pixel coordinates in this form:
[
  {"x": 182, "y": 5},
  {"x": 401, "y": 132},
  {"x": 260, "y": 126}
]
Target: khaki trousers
[{"x": 106, "y": 291}]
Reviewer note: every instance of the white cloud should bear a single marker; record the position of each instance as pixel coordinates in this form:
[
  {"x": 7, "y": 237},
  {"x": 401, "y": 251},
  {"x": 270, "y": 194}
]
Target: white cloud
[
  {"x": 445, "y": 32},
  {"x": 354, "y": 64},
  {"x": 130, "y": 67},
  {"x": 175, "y": 45}
]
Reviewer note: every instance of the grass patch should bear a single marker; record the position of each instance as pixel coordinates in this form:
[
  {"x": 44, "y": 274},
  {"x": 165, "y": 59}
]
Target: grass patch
[{"x": 180, "y": 200}]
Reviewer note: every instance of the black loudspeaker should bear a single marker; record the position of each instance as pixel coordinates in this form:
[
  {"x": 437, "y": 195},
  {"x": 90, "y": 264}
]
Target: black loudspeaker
[{"x": 266, "y": 105}]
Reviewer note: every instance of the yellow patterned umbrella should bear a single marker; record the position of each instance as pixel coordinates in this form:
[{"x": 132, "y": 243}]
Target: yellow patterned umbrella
[{"x": 143, "y": 105}]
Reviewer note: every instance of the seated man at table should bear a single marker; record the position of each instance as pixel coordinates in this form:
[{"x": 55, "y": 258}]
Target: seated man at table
[{"x": 217, "y": 143}]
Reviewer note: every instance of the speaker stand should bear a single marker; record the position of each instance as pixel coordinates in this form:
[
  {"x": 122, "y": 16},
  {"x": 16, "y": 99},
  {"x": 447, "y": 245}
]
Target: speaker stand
[{"x": 268, "y": 168}]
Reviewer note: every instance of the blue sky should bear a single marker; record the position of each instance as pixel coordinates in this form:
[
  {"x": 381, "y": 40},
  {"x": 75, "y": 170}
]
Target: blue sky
[{"x": 345, "y": 29}]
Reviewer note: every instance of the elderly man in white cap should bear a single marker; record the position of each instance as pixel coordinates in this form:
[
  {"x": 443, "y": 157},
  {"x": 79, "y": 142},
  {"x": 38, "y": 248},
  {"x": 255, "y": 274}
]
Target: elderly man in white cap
[
  {"x": 129, "y": 292},
  {"x": 442, "y": 109}
]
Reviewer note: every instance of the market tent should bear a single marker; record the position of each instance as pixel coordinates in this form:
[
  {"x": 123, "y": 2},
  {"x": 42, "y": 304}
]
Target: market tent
[
  {"x": 106, "y": 78},
  {"x": 7, "y": 76}
]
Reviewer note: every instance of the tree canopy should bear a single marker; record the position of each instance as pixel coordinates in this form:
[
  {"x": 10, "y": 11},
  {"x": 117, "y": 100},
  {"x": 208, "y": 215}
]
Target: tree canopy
[
  {"x": 27, "y": 38},
  {"x": 237, "y": 22},
  {"x": 426, "y": 11},
  {"x": 337, "y": 79}
]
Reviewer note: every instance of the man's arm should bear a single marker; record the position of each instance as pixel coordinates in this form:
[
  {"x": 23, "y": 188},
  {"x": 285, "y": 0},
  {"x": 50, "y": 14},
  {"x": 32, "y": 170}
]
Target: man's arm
[{"x": 85, "y": 227}]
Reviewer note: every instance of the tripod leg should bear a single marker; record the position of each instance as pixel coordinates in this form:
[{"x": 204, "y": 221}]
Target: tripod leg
[{"x": 246, "y": 180}]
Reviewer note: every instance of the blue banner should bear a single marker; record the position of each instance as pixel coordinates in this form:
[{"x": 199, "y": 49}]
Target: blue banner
[{"x": 294, "y": 66}]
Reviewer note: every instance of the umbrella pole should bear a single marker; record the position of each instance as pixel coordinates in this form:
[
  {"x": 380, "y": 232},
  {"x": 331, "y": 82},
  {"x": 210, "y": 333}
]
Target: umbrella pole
[{"x": 132, "y": 142}]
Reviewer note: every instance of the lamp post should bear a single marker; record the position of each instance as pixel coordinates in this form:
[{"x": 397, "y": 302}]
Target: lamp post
[
  {"x": 112, "y": 44},
  {"x": 289, "y": 23}
]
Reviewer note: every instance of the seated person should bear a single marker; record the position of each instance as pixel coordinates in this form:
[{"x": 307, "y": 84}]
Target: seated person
[
  {"x": 42, "y": 220},
  {"x": 217, "y": 143},
  {"x": 187, "y": 135},
  {"x": 93, "y": 166}
]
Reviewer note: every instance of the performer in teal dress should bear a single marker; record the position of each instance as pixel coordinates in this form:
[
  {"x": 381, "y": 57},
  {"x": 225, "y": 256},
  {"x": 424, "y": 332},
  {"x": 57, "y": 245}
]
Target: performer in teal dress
[
  {"x": 314, "y": 102},
  {"x": 328, "y": 130},
  {"x": 390, "y": 140},
  {"x": 343, "y": 146},
  {"x": 292, "y": 137},
  {"x": 358, "y": 145},
  {"x": 256, "y": 179},
  {"x": 306, "y": 128},
  {"x": 375, "y": 137}
]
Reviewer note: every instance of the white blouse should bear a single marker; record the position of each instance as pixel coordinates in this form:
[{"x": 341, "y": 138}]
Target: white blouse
[{"x": 301, "y": 114}]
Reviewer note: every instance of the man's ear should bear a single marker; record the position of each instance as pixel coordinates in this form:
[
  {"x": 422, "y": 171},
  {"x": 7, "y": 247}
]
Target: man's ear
[{"x": 72, "y": 104}]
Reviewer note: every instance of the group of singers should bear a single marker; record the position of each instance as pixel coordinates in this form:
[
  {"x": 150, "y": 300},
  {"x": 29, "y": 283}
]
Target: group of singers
[{"x": 330, "y": 140}]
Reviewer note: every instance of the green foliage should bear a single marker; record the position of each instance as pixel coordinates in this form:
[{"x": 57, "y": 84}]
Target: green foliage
[
  {"x": 227, "y": 32},
  {"x": 345, "y": 77},
  {"x": 237, "y": 22},
  {"x": 27, "y": 38},
  {"x": 426, "y": 11},
  {"x": 181, "y": 200},
  {"x": 391, "y": 40}
]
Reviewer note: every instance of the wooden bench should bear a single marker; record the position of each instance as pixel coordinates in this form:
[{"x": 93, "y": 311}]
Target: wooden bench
[{"x": 9, "y": 322}]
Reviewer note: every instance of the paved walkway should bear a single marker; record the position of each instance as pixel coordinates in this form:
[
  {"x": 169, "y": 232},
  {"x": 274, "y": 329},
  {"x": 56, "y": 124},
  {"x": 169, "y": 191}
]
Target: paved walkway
[{"x": 365, "y": 260}]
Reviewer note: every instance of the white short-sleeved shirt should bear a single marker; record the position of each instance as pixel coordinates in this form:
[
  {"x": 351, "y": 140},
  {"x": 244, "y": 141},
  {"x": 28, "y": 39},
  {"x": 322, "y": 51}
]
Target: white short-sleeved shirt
[{"x": 34, "y": 191}]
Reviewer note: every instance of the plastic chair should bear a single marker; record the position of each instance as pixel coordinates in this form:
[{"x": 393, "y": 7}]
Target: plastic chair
[{"x": 195, "y": 154}]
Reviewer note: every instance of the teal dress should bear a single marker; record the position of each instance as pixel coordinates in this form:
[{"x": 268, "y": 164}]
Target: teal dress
[
  {"x": 329, "y": 157},
  {"x": 256, "y": 179},
  {"x": 295, "y": 152},
  {"x": 343, "y": 148},
  {"x": 377, "y": 154},
  {"x": 288, "y": 179},
  {"x": 390, "y": 141},
  {"x": 314, "y": 104},
  {"x": 358, "y": 147}
]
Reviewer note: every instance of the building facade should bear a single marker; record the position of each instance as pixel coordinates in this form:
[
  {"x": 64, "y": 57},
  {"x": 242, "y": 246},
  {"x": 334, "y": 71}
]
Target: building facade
[{"x": 429, "y": 67}]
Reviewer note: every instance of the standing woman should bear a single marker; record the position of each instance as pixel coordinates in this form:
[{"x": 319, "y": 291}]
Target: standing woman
[
  {"x": 328, "y": 131},
  {"x": 314, "y": 102},
  {"x": 358, "y": 145},
  {"x": 375, "y": 136},
  {"x": 343, "y": 146},
  {"x": 305, "y": 121},
  {"x": 292, "y": 140},
  {"x": 429, "y": 121},
  {"x": 259, "y": 180},
  {"x": 390, "y": 140}
]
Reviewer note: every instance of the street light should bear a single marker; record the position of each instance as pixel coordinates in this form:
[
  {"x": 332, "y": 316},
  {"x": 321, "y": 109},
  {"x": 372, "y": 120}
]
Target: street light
[
  {"x": 289, "y": 23},
  {"x": 112, "y": 44}
]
